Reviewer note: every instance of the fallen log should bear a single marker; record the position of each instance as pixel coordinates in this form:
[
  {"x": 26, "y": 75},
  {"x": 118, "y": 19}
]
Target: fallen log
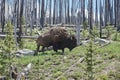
[{"x": 27, "y": 37}]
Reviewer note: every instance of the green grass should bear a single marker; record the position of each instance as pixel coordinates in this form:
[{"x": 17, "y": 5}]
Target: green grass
[
  {"x": 50, "y": 64},
  {"x": 113, "y": 49}
]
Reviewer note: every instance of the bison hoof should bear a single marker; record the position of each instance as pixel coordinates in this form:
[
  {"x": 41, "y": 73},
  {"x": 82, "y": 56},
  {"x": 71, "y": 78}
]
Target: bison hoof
[{"x": 36, "y": 53}]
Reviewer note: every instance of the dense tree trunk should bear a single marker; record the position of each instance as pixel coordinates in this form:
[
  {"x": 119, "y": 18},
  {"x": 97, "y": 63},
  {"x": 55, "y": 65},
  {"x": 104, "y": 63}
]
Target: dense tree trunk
[
  {"x": 45, "y": 12},
  {"x": 115, "y": 11},
  {"x": 100, "y": 19},
  {"x": 107, "y": 12},
  {"x": 111, "y": 13},
  {"x": 34, "y": 15},
  {"x": 42, "y": 14},
  {"x": 72, "y": 12},
  {"x": 3, "y": 14},
  {"x": 68, "y": 11},
  {"x": 15, "y": 21},
  {"x": 65, "y": 2},
  {"x": 26, "y": 16},
  {"x": 78, "y": 28},
  {"x": 50, "y": 3},
  {"x": 54, "y": 12},
  {"x": 31, "y": 16},
  {"x": 39, "y": 13},
  {"x": 60, "y": 11},
  {"x": 90, "y": 16},
  {"x": 20, "y": 21},
  {"x": 118, "y": 15},
  {"x": 96, "y": 14},
  {"x": 83, "y": 11}
]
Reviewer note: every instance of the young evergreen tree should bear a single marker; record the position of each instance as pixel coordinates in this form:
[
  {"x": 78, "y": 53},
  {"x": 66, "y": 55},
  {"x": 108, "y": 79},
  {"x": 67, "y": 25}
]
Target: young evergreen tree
[
  {"x": 7, "y": 47},
  {"x": 89, "y": 60}
]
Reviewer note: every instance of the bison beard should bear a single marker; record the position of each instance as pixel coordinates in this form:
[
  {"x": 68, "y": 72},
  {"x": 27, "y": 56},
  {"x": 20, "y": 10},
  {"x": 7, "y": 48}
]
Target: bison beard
[{"x": 58, "y": 38}]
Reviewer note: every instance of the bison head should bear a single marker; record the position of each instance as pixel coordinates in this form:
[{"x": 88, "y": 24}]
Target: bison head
[{"x": 72, "y": 42}]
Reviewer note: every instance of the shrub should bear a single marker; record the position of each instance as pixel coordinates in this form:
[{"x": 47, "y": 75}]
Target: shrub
[{"x": 7, "y": 47}]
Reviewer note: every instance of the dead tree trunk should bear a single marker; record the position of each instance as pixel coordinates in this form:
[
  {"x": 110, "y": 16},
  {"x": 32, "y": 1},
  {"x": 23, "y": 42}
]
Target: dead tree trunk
[
  {"x": 118, "y": 15},
  {"x": 3, "y": 14},
  {"x": 90, "y": 16},
  {"x": 100, "y": 19},
  {"x": 96, "y": 14},
  {"x": 50, "y": 3},
  {"x": 20, "y": 21},
  {"x": 42, "y": 14}
]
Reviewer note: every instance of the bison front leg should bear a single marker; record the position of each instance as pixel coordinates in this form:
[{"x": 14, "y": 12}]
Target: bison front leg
[
  {"x": 37, "y": 50},
  {"x": 62, "y": 51},
  {"x": 43, "y": 49},
  {"x": 54, "y": 48}
]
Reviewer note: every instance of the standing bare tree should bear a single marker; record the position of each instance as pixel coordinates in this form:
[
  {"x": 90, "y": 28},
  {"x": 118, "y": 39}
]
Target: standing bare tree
[
  {"x": 100, "y": 19},
  {"x": 65, "y": 10},
  {"x": 90, "y": 16},
  {"x": 54, "y": 12},
  {"x": 96, "y": 14},
  {"x": 50, "y": 6},
  {"x": 34, "y": 14},
  {"x": 83, "y": 11},
  {"x": 60, "y": 10},
  {"x": 3, "y": 14},
  {"x": 118, "y": 15},
  {"x": 107, "y": 12},
  {"x": 20, "y": 19},
  {"x": 15, "y": 21},
  {"x": 111, "y": 13},
  {"x": 115, "y": 11},
  {"x": 72, "y": 12},
  {"x": 42, "y": 14},
  {"x": 68, "y": 11}
]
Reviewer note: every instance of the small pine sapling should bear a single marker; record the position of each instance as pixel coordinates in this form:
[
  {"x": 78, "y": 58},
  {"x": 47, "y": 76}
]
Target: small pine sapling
[
  {"x": 84, "y": 31},
  {"x": 109, "y": 31},
  {"x": 8, "y": 47},
  {"x": 115, "y": 36},
  {"x": 89, "y": 60}
]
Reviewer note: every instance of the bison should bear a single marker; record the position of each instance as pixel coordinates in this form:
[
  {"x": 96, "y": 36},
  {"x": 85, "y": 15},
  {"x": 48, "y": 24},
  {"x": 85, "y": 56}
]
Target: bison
[
  {"x": 69, "y": 42},
  {"x": 57, "y": 37}
]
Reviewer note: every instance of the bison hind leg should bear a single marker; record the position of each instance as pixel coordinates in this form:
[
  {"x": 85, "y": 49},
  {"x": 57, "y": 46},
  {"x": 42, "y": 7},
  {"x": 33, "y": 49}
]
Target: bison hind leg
[
  {"x": 55, "y": 48},
  {"x": 63, "y": 51}
]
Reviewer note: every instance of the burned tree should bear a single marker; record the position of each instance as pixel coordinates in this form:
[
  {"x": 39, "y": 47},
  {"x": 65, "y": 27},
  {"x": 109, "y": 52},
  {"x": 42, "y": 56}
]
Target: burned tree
[
  {"x": 3, "y": 14},
  {"x": 42, "y": 14}
]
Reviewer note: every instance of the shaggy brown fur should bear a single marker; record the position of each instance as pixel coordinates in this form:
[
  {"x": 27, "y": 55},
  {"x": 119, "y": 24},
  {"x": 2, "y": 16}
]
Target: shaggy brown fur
[
  {"x": 69, "y": 42},
  {"x": 56, "y": 36}
]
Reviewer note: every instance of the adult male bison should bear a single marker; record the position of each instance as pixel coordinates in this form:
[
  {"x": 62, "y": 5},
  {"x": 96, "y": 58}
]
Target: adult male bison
[
  {"x": 57, "y": 37},
  {"x": 69, "y": 42}
]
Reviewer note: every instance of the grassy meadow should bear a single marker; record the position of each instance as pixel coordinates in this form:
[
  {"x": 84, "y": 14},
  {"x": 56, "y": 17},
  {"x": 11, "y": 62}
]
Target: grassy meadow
[{"x": 51, "y": 65}]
